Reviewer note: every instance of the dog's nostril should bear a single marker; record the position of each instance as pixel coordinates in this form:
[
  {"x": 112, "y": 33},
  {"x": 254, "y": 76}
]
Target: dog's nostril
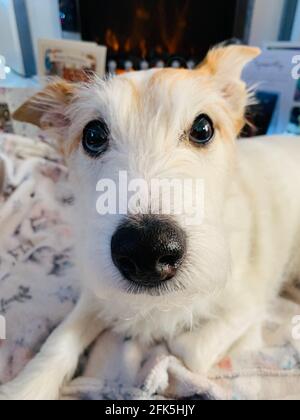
[
  {"x": 169, "y": 260},
  {"x": 167, "y": 266}
]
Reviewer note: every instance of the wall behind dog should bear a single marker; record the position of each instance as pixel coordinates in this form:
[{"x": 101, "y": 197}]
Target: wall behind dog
[
  {"x": 296, "y": 29},
  {"x": 266, "y": 21}
]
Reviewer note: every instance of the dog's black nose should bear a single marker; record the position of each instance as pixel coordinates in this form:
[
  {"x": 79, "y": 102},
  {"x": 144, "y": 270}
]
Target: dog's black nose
[{"x": 148, "y": 250}]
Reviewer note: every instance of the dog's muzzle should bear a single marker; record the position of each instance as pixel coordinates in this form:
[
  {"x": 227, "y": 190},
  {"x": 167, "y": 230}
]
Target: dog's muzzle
[{"x": 148, "y": 250}]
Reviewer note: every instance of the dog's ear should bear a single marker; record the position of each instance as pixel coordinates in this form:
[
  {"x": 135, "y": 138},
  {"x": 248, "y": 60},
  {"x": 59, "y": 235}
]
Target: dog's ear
[
  {"x": 225, "y": 65},
  {"x": 229, "y": 62},
  {"x": 47, "y": 108}
]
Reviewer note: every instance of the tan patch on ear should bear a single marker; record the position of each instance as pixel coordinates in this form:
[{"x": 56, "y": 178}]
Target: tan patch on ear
[
  {"x": 56, "y": 94},
  {"x": 25, "y": 113},
  {"x": 228, "y": 61}
]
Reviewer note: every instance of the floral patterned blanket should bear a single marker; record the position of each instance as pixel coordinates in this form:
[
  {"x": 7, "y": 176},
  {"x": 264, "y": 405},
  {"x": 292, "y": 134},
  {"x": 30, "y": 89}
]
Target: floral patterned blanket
[{"x": 39, "y": 286}]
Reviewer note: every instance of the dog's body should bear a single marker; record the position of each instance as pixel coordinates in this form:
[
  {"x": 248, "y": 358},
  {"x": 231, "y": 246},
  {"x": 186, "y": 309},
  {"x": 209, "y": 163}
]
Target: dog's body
[
  {"x": 262, "y": 220},
  {"x": 235, "y": 262}
]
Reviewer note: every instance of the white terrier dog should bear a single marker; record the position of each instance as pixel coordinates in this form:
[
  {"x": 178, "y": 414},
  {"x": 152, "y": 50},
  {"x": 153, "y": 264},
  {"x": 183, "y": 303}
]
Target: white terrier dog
[{"x": 201, "y": 288}]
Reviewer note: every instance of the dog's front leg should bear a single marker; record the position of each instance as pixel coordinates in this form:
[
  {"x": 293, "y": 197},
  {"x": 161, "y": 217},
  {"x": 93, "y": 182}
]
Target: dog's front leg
[
  {"x": 56, "y": 363},
  {"x": 202, "y": 348}
]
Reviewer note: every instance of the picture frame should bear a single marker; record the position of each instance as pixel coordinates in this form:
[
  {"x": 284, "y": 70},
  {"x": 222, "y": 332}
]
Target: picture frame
[
  {"x": 74, "y": 61},
  {"x": 272, "y": 73}
]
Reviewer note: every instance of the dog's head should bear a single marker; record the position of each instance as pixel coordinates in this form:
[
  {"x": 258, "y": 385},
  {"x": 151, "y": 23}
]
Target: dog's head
[{"x": 159, "y": 125}]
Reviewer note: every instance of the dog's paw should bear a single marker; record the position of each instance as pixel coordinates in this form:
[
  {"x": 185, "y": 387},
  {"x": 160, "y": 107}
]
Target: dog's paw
[{"x": 187, "y": 349}]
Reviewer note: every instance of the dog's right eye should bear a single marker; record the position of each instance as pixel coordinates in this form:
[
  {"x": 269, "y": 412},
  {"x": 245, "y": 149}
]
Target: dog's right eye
[{"x": 95, "y": 138}]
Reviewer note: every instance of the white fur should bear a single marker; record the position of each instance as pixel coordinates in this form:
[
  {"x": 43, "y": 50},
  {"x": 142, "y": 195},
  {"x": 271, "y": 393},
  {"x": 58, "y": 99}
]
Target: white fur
[{"x": 237, "y": 259}]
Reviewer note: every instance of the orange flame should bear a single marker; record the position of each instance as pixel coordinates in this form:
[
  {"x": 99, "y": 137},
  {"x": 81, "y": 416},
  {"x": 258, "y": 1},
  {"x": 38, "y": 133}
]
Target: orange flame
[
  {"x": 171, "y": 37},
  {"x": 143, "y": 48},
  {"x": 127, "y": 46},
  {"x": 112, "y": 40},
  {"x": 172, "y": 40},
  {"x": 142, "y": 13}
]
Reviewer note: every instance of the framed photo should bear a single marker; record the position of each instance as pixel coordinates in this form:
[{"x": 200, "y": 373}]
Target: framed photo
[
  {"x": 297, "y": 93},
  {"x": 74, "y": 61},
  {"x": 294, "y": 123},
  {"x": 272, "y": 74},
  {"x": 261, "y": 114}
]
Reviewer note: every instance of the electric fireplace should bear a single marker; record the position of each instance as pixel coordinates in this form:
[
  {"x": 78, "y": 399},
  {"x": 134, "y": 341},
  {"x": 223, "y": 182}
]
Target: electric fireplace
[{"x": 156, "y": 33}]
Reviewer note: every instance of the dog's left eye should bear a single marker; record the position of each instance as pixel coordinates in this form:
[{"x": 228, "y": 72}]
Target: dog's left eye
[
  {"x": 202, "y": 130},
  {"x": 95, "y": 138}
]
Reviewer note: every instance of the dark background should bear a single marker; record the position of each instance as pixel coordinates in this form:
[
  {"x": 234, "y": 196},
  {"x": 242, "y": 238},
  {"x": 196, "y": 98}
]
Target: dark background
[{"x": 151, "y": 28}]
